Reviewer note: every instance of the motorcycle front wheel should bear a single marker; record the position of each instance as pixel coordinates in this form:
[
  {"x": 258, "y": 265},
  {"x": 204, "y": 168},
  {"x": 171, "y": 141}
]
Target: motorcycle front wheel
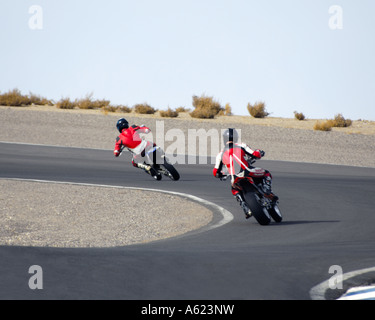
[
  {"x": 172, "y": 172},
  {"x": 275, "y": 213}
]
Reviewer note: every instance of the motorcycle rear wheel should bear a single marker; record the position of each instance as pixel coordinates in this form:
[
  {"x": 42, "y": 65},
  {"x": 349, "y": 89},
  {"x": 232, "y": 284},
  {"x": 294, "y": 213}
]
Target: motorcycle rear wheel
[{"x": 260, "y": 213}]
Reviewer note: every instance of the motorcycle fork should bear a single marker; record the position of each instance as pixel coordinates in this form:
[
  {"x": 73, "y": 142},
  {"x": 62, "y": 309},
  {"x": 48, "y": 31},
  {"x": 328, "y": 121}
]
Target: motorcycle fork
[{"x": 151, "y": 156}]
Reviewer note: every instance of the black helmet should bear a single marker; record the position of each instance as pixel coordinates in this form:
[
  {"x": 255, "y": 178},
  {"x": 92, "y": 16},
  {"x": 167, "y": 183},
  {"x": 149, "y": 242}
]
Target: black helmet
[
  {"x": 122, "y": 124},
  {"x": 230, "y": 135}
]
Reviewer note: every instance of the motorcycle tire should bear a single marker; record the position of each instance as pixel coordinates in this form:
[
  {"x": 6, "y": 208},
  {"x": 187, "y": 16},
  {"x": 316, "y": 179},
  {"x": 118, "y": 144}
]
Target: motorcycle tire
[
  {"x": 275, "y": 213},
  {"x": 259, "y": 213},
  {"x": 173, "y": 173}
]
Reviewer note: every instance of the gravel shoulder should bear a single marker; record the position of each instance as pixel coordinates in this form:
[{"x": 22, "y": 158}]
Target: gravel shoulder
[
  {"x": 282, "y": 139},
  {"x": 39, "y": 219},
  {"x": 87, "y": 216}
]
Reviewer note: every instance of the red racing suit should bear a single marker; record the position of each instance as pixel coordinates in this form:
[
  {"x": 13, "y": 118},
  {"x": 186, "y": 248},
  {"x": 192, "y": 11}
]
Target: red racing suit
[
  {"x": 129, "y": 138},
  {"x": 233, "y": 158}
]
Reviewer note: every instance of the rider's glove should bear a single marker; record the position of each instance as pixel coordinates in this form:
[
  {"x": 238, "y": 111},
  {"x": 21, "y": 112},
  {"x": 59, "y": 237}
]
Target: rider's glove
[
  {"x": 217, "y": 173},
  {"x": 147, "y": 130},
  {"x": 259, "y": 153}
]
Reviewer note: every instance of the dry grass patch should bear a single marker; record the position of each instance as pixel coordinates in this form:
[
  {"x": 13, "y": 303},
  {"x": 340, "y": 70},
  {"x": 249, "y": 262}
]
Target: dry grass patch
[
  {"x": 144, "y": 108},
  {"x": 169, "y": 113},
  {"x": 182, "y": 109},
  {"x": 65, "y": 103},
  {"x": 89, "y": 103},
  {"x": 338, "y": 122},
  {"x": 15, "y": 98},
  {"x": 118, "y": 108},
  {"x": 227, "y": 111},
  {"x": 323, "y": 126}
]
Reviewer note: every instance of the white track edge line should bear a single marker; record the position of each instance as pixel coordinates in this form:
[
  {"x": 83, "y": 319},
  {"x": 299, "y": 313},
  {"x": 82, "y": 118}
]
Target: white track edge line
[
  {"x": 317, "y": 292},
  {"x": 226, "y": 215}
]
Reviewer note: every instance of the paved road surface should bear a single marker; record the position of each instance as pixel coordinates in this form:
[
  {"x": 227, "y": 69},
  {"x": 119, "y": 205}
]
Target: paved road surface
[{"x": 329, "y": 219}]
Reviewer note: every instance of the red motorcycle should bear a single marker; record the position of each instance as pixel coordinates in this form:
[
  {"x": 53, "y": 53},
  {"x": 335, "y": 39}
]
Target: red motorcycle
[{"x": 263, "y": 207}]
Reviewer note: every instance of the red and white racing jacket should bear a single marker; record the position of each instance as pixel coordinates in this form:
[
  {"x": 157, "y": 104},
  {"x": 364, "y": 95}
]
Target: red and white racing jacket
[
  {"x": 233, "y": 157},
  {"x": 130, "y": 139}
]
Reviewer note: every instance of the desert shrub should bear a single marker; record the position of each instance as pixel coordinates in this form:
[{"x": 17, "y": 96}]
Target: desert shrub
[
  {"x": 258, "y": 110},
  {"x": 14, "y": 98},
  {"x": 97, "y": 104},
  {"x": 169, "y": 113},
  {"x": 299, "y": 115},
  {"x": 65, "y": 103},
  {"x": 182, "y": 109},
  {"x": 89, "y": 103},
  {"x": 323, "y": 125},
  {"x": 226, "y": 111},
  {"x": 205, "y": 107},
  {"x": 109, "y": 108},
  {"x": 39, "y": 100},
  {"x": 117, "y": 108},
  {"x": 144, "y": 108},
  {"x": 340, "y": 121},
  {"x": 124, "y": 109}
]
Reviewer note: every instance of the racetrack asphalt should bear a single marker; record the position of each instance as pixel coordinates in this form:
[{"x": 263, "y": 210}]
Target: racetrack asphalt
[{"x": 328, "y": 220}]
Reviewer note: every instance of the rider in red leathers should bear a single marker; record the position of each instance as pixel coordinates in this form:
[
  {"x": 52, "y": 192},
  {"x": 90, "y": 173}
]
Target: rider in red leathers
[
  {"x": 233, "y": 157},
  {"x": 129, "y": 138}
]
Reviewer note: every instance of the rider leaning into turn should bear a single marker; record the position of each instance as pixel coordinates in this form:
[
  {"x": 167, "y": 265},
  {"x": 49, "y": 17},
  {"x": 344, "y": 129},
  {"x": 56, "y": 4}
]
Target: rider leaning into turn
[
  {"x": 129, "y": 138},
  {"x": 233, "y": 157}
]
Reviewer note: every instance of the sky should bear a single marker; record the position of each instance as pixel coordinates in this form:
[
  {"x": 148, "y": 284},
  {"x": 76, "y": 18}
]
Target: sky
[{"x": 295, "y": 55}]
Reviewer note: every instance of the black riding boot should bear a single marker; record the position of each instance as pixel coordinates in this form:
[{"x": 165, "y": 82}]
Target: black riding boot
[{"x": 244, "y": 206}]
